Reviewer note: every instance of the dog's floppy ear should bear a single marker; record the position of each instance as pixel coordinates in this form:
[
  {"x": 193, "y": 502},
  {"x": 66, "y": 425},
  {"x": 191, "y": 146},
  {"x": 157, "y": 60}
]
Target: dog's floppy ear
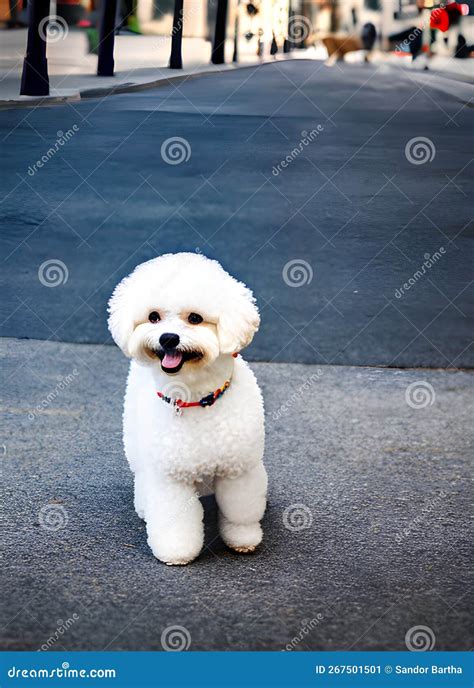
[
  {"x": 239, "y": 321},
  {"x": 119, "y": 322}
]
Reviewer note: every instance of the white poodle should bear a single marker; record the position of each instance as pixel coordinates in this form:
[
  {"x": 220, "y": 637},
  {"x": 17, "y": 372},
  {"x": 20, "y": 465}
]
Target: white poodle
[{"x": 193, "y": 420}]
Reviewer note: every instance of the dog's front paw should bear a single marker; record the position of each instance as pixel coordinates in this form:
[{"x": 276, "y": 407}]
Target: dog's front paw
[
  {"x": 172, "y": 551},
  {"x": 241, "y": 538}
]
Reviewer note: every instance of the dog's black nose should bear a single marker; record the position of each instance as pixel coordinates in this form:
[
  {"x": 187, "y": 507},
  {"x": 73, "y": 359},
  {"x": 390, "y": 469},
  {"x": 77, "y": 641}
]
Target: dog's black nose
[{"x": 169, "y": 340}]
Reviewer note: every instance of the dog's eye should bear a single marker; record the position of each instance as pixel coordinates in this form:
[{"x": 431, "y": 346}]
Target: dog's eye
[
  {"x": 154, "y": 317},
  {"x": 195, "y": 318}
]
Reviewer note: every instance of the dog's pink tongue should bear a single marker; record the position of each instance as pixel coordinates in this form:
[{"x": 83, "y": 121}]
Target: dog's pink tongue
[{"x": 172, "y": 360}]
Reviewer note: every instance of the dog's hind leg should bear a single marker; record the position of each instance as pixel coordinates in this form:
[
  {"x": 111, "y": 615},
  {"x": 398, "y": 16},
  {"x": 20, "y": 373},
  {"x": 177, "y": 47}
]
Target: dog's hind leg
[{"x": 242, "y": 504}]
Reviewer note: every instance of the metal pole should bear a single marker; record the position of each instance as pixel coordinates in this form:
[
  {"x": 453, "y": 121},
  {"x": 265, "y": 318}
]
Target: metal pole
[
  {"x": 287, "y": 41},
  {"x": 235, "y": 56},
  {"x": 176, "y": 59},
  {"x": 34, "y": 79},
  {"x": 218, "y": 49},
  {"x": 105, "y": 64}
]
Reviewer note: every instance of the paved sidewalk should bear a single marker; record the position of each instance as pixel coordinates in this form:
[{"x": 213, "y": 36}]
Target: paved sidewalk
[
  {"x": 380, "y": 487},
  {"x": 139, "y": 61}
]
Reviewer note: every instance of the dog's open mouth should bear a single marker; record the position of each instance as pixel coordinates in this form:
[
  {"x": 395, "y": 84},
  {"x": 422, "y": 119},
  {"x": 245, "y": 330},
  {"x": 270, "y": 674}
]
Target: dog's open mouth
[{"x": 172, "y": 360}]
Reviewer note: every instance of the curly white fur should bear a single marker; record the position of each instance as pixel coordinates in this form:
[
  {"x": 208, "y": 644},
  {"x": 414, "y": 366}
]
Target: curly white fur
[{"x": 177, "y": 458}]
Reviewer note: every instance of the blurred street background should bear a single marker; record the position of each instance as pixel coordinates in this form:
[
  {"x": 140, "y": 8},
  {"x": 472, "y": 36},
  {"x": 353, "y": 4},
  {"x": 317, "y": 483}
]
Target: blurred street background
[
  {"x": 393, "y": 31},
  {"x": 322, "y": 152}
]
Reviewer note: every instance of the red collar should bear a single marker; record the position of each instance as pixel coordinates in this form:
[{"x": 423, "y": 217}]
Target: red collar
[{"x": 208, "y": 400}]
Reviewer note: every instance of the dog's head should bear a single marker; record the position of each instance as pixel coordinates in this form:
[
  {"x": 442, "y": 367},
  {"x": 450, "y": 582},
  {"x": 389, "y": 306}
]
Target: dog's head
[{"x": 180, "y": 310}]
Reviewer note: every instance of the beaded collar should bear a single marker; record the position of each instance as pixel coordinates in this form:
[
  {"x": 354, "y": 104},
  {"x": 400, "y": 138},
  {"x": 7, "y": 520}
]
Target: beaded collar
[{"x": 209, "y": 400}]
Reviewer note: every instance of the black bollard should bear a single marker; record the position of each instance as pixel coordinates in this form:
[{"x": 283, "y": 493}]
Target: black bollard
[
  {"x": 176, "y": 59},
  {"x": 235, "y": 56},
  {"x": 105, "y": 64},
  {"x": 287, "y": 42},
  {"x": 274, "y": 46},
  {"x": 34, "y": 79},
  {"x": 218, "y": 49}
]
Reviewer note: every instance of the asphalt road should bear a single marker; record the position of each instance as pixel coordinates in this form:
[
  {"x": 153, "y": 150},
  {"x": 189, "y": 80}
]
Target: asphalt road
[
  {"x": 366, "y": 532},
  {"x": 350, "y": 203}
]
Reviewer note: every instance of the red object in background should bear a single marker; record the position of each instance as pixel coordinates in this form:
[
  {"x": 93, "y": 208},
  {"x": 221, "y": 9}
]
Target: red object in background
[
  {"x": 442, "y": 17},
  {"x": 439, "y": 19}
]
